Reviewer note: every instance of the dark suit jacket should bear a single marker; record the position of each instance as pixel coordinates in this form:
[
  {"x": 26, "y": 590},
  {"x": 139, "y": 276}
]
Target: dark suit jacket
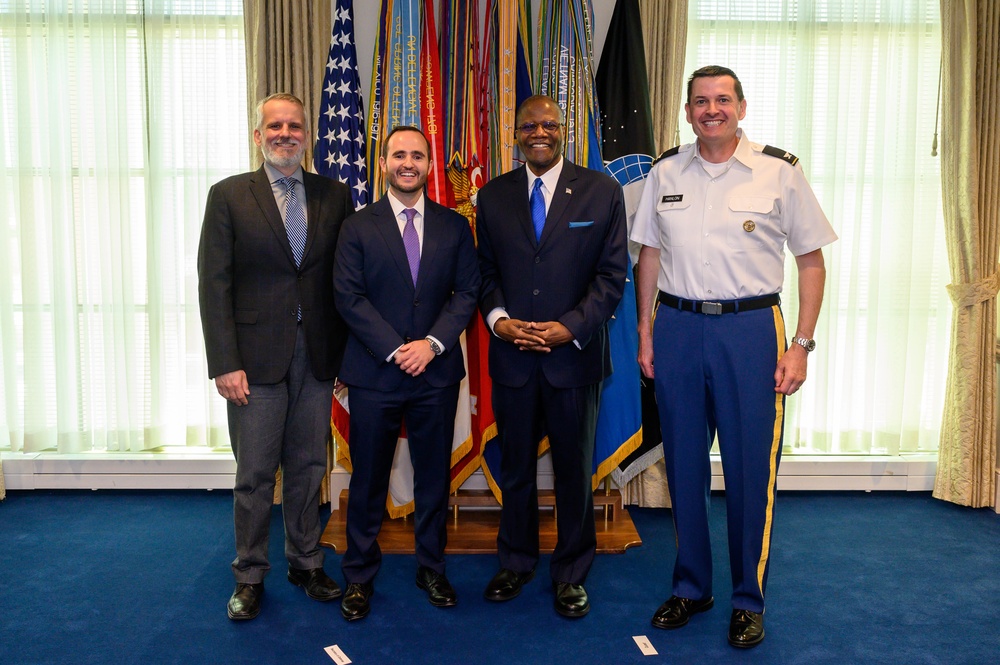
[
  {"x": 249, "y": 287},
  {"x": 383, "y": 309},
  {"x": 574, "y": 275}
]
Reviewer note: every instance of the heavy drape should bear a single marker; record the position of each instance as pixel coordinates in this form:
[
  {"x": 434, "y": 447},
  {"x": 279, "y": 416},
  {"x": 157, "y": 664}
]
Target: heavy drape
[{"x": 970, "y": 185}]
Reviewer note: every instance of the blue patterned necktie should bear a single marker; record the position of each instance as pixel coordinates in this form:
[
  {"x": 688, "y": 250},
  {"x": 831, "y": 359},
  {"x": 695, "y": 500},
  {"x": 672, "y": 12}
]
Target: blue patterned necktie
[
  {"x": 537, "y": 202},
  {"x": 295, "y": 225},
  {"x": 295, "y": 220},
  {"x": 412, "y": 243}
]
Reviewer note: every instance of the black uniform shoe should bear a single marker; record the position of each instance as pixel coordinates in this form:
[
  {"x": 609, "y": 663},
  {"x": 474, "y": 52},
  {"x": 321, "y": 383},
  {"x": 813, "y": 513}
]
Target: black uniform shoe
[
  {"x": 677, "y": 611},
  {"x": 746, "y": 629}
]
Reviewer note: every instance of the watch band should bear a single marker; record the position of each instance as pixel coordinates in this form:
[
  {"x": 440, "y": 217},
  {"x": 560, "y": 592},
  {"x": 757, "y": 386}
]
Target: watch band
[
  {"x": 435, "y": 347},
  {"x": 808, "y": 344}
]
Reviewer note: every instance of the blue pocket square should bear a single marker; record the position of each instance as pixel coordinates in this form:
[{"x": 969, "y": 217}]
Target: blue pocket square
[{"x": 578, "y": 225}]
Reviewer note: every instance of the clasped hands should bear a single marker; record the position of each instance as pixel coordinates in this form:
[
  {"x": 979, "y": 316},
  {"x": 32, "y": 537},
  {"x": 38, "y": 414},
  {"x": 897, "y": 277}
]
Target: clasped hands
[
  {"x": 413, "y": 357},
  {"x": 533, "y": 335}
]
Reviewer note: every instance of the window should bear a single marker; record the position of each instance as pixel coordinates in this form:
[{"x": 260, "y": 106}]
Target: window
[{"x": 116, "y": 117}]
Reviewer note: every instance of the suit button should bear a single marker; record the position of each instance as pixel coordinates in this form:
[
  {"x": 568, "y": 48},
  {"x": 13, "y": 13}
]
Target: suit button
[
  {"x": 535, "y": 292},
  {"x": 416, "y": 303},
  {"x": 538, "y": 259}
]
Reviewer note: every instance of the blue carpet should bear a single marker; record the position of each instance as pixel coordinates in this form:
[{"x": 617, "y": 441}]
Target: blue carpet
[{"x": 143, "y": 577}]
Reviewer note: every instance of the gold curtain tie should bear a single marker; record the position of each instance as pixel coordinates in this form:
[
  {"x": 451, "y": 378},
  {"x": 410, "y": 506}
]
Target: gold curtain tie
[{"x": 973, "y": 293}]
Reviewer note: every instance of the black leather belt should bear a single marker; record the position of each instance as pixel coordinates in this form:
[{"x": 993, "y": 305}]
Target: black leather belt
[{"x": 719, "y": 306}]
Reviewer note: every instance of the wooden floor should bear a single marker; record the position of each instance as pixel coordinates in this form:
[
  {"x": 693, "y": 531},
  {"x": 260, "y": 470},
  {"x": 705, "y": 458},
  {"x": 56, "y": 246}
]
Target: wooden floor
[{"x": 475, "y": 519}]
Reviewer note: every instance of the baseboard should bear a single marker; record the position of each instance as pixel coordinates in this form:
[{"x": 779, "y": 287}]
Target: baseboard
[{"x": 216, "y": 470}]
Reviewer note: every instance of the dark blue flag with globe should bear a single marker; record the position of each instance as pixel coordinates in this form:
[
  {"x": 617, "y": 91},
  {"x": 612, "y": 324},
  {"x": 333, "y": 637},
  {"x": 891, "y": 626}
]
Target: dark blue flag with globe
[{"x": 628, "y": 149}]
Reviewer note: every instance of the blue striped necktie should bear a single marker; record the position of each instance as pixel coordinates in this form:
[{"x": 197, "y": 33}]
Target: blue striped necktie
[
  {"x": 295, "y": 220},
  {"x": 537, "y": 202},
  {"x": 295, "y": 225}
]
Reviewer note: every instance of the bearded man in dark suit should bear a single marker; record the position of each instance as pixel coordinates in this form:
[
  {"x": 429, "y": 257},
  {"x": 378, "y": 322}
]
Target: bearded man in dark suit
[
  {"x": 274, "y": 343},
  {"x": 553, "y": 258}
]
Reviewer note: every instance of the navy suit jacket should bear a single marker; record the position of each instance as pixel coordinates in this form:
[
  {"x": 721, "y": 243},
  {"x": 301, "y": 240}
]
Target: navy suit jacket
[
  {"x": 249, "y": 288},
  {"x": 575, "y": 274},
  {"x": 384, "y": 309}
]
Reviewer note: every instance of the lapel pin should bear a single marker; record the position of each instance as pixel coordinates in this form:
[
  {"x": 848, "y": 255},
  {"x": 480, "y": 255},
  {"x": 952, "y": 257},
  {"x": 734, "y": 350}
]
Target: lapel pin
[{"x": 569, "y": 191}]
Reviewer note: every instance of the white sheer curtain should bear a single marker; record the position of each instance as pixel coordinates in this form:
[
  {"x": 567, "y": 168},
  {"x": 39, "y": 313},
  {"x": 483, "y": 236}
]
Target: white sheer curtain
[
  {"x": 850, "y": 86},
  {"x": 116, "y": 117}
]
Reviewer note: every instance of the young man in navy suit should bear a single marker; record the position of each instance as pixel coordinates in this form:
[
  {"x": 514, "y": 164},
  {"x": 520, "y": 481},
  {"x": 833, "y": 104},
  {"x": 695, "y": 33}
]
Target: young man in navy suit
[
  {"x": 553, "y": 258},
  {"x": 274, "y": 344},
  {"x": 406, "y": 283}
]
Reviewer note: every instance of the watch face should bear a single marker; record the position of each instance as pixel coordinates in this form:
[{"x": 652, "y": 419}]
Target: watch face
[{"x": 807, "y": 344}]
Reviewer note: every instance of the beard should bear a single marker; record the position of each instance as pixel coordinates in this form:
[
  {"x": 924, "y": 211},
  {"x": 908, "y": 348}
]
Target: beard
[
  {"x": 393, "y": 179},
  {"x": 279, "y": 160}
]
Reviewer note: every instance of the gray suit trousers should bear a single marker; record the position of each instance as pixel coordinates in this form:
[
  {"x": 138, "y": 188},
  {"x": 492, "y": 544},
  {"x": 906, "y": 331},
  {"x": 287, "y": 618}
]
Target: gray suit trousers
[{"x": 285, "y": 424}]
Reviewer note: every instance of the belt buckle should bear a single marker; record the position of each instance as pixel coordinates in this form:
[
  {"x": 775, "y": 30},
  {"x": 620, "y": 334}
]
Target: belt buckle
[{"x": 713, "y": 308}]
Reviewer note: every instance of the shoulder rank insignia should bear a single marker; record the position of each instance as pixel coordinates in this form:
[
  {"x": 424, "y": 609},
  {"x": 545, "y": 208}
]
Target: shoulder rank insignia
[
  {"x": 669, "y": 153},
  {"x": 781, "y": 154}
]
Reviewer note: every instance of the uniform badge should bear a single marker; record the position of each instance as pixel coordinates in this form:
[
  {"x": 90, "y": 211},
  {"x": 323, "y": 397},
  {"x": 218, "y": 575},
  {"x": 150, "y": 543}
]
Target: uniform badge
[{"x": 749, "y": 226}]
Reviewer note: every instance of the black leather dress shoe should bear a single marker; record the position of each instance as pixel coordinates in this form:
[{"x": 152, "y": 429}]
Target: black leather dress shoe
[
  {"x": 571, "y": 600},
  {"x": 438, "y": 588},
  {"x": 355, "y": 603},
  {"x": 245, "y": 602},
  {"x": 677, "y": 611},
  {"x": 506, "y": 584},
  {"x": 746, "y": 629},
  {"x": 315, "y": 581}
]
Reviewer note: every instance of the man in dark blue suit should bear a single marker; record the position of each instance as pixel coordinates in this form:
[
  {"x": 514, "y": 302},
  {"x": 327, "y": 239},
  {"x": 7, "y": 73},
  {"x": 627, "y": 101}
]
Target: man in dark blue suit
[
  {"x": 274, "y": 344},
  {"x": 553, "y": 258},
  {"x": 406, "y": 282}
]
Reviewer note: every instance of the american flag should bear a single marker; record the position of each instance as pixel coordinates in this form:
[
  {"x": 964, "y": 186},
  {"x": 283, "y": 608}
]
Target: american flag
[{"x": 340, "y": 136}]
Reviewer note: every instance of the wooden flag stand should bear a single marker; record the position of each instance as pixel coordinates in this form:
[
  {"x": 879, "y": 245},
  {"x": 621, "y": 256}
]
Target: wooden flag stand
[{"x": 476, "y": 519}]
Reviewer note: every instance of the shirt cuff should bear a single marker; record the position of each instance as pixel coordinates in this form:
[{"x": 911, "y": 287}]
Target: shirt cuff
[
  {"x": 495, "y": 315},
  {"x": 389, "y": 357}
]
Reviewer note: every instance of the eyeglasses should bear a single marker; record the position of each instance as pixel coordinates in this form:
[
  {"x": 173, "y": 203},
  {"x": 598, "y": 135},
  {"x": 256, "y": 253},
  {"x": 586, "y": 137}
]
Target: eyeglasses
[{"x": 549, "y": 127}]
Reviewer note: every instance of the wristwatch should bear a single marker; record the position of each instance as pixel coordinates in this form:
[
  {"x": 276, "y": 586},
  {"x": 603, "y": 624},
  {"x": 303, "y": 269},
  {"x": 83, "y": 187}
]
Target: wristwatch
[
  {"x": 435, "y": 347},
  {"x": 807, "y": 344}
]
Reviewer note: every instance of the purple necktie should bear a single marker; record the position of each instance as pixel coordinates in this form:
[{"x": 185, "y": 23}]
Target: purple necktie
[{"x": 412, "y": 243}]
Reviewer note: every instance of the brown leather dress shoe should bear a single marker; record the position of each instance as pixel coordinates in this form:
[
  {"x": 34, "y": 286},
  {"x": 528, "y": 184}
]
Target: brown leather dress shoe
[
  {"x": 315, "y": 581},
  {"x": 244, "y": 604},
  {"x": 571, "y": 600},
  {"x": 677, "y": 611},
  {"x": 746, "y": 629},
  {"x": 506, "y": 584},
  {"x": 355, "y": 604},
  {"x": 438, "y": 588}
]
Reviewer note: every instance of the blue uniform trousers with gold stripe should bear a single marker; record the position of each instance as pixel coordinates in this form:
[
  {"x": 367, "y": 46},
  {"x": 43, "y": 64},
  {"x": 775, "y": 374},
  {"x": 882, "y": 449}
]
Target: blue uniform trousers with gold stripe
[{"x": 716, "y": 374}]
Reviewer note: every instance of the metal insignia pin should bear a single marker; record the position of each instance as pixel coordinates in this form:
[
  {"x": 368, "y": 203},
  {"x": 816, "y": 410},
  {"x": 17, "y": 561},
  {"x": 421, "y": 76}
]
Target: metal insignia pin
[
  {"x": 749, "y": 226},
  {"x": 569, "y": 191}
]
